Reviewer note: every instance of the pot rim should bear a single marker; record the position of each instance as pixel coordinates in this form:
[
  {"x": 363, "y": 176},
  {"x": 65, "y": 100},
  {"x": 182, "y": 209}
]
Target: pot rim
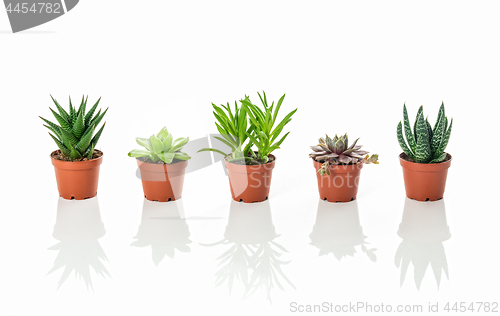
[
  {"x": 429, "y": 164},
  {"x": 161, "y": 164},
  {"x": 75, "y": 162},
  {"x": 161, "y": 167},
  {"x": 347, "y": 168},
  {"x": 262, "y": 164}
]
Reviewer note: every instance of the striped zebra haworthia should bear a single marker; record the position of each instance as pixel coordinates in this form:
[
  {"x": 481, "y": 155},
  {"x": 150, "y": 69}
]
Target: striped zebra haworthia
[{"x": 425, "y": 144}]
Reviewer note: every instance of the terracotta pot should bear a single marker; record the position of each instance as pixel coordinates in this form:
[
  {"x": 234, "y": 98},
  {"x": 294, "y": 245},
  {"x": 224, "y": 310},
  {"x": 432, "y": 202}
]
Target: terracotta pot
[
  {"x": 423, "y": 181},
  {"x": 342, "y": 183},
  {"x": 250, "y": 183},
  {"x": 162, "y": 182},
  {"x": 77, "y": 179}
]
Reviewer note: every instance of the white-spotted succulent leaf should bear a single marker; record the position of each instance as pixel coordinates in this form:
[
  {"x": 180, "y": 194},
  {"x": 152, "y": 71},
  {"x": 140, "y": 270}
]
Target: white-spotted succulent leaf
[
  {"x": 161, "y": 146},
  {"x": 423, "y": 152},
  {"x": 430, "y": 142},
  {"x": 74, "y": 136},
  {"x": 336, "y": 151}
]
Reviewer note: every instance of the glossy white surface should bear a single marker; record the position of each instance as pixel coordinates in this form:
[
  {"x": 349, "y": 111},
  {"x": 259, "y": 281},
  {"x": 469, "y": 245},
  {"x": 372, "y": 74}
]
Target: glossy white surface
[{"x": 347, "y": 67}]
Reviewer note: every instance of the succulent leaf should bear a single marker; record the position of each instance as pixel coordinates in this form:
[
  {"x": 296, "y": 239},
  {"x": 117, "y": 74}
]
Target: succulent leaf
[
  {"x": 402, "y": 142},
  {"x": 431, "y": 142},
  {"x": 438, "y": 159},
  {"x": 79, "y": 126},
  {"x": 409, "y": 135},
  {"x": 90, "y": 113},
  {"x": 423, "y": 153},
  {"x": 65, "y": 151},
  {"x": 439, "y": 129},
  {"x": 444, "y": 142},
  {"x": 160, "y": 146}
]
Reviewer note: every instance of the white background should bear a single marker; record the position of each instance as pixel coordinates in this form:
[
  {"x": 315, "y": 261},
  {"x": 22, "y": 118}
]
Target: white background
[{"x": 347, "y": 67}]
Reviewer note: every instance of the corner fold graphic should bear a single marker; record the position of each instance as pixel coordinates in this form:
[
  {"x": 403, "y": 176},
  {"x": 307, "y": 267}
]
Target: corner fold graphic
[{"x": 26, "y": 14}]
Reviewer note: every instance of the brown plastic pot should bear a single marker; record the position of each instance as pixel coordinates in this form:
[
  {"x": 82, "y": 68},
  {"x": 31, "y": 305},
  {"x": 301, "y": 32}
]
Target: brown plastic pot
[
  {"x": 76, "y": 179},
  {"x": 162, "y": 182},
  {"x": 250, "y": 183},
  {"x": 342, "y": 183},
  {"x": 424, "y": 181}
]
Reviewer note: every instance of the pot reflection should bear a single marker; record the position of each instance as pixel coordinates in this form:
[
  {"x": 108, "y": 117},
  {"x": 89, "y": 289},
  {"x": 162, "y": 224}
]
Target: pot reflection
[
  {"x": 252, "y": 254},
  {"x": 423, "y": 229},
  {"x": 78, "y": 228},
  {"x": 164, "y": 228},
  {"x": 338, "y": 231}
]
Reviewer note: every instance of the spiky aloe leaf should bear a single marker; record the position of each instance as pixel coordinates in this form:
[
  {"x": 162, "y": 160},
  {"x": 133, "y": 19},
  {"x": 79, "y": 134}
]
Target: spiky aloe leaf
[
  {"x": 72, "y": 111},
  {"x": 85, "y": 141},
  {"x": 90, "y": 113},
  {"x": 62, "y": 122},
  {"x": 81, "y": 109},
  {"x": 62, "y": 112},
  {"x": 97, "y": 135},
  {"x": 53, "y": 126},
  {"x": 420, "y": 110},
  {"x": 423, "y": 153},
  {"x": 53, "y": 130},
  {"x": 440, "y": 115},
  {"x": 65, "y": 151},
  {"x": 429, "y": 129},
  {"x": 439, "y": 130},
  {"x": 409, "y": 135},
  {"x": 98, "y": 119},
  {"x": 402, "y": 142},
  {"x": 90, "y": 152},
  {"x": 438, "y": 159},
  {"x": 79, "y": 126},
  {"x": 68, "y": 138},
  {"x": 74, "y": 154},
  {"x": 444, "y": 142}
]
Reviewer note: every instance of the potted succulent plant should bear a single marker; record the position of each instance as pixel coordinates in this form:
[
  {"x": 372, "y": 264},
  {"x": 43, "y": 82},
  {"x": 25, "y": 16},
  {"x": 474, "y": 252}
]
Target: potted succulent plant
[
  {"x": 424, "y": 161},
  {"x": 338, "y": 167},
  {"x": 77, "y": 162},
  {"x": 162, "y": 165},
  {"x": 250, "y": 171}
]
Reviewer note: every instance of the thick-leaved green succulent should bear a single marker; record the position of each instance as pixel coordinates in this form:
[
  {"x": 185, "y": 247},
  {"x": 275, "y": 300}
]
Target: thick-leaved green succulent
[
  {"x": 336, "y": 151},
  {"x": 161, "y": 146},
  {"x": 75, "y": 133},
  {"x": 425, "y": 144}
]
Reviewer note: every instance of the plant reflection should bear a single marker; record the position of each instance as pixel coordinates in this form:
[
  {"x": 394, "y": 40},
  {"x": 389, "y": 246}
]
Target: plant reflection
[
  {"x": 338, "y": 231},
  {"x": 253, "y": 256},
  {"x": 78, "y": 228},
  {"x": 423, "y": 228}
]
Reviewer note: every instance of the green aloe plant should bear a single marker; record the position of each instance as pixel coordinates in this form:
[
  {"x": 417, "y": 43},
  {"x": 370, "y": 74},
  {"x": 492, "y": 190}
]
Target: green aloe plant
[
  {"x": 75, "y": 133},
  {"x": 425, "y": 144},
  {"x": 161, "y": 146},
  {"x": 266, "y": 128},
  {"x": 234, "y": 129}
]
